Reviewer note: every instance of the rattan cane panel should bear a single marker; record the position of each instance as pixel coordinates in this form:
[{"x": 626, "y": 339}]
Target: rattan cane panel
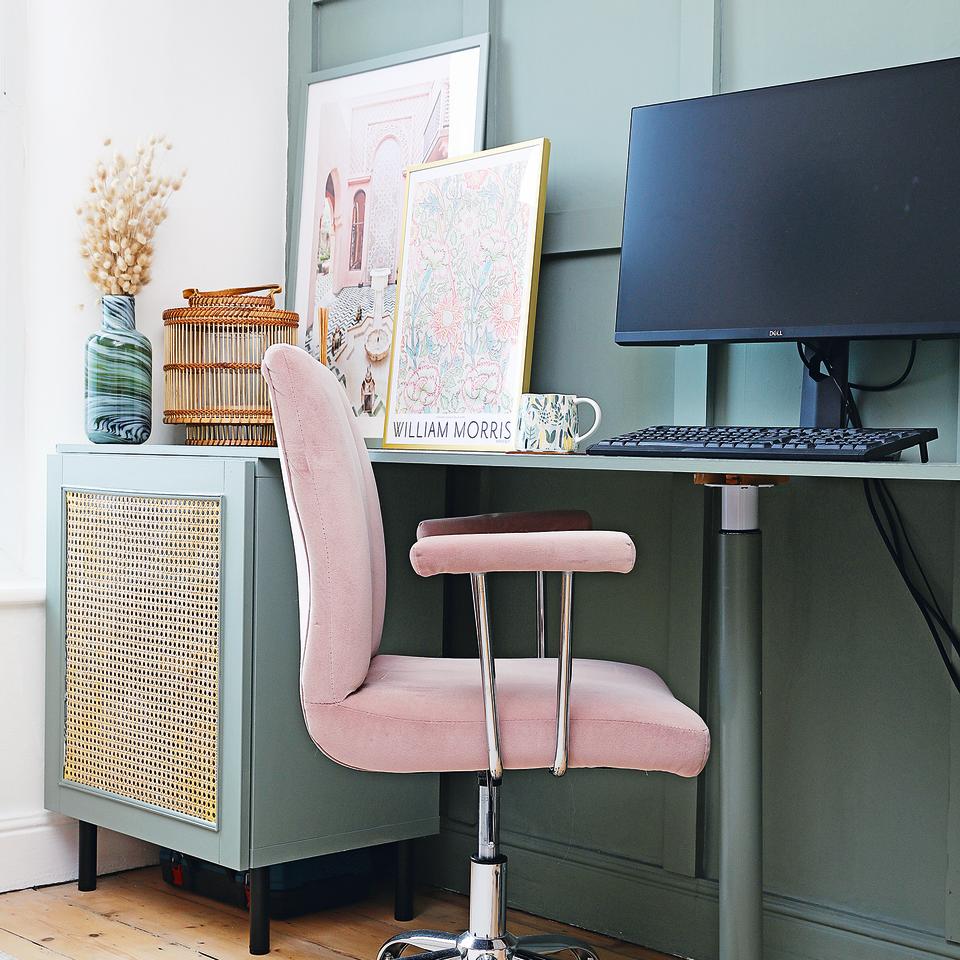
[{"x": 142, "y": 648}]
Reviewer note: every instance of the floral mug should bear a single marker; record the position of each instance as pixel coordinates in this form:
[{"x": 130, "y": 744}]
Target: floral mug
[{"x": 548, "y": 422}]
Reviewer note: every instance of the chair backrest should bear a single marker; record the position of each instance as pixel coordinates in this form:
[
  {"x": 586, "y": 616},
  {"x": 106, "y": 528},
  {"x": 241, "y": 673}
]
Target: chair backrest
[{"x": 335, "y": 519}]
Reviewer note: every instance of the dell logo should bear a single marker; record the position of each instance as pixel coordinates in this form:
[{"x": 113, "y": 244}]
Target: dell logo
[{"x": 776, "y": 333}]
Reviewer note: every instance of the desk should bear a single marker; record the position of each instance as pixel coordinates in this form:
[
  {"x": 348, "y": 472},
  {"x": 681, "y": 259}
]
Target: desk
[{"x": 161, "y": 465}]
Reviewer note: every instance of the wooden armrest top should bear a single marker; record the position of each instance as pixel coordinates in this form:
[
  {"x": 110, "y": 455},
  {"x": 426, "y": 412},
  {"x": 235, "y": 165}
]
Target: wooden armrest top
[{"x": 530, "y": 521}]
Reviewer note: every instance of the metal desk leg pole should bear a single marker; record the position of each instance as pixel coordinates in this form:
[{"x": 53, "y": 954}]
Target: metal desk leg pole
[{"x": 739, "y": 683}]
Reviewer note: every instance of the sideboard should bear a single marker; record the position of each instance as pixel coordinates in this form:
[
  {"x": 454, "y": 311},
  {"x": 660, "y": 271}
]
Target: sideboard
[{"x": 172, "y": 685}]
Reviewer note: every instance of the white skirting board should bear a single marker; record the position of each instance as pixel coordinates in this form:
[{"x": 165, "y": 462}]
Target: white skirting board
[
  {"x": 36, "y": 847},
  {"x": 42, "y": 849}
]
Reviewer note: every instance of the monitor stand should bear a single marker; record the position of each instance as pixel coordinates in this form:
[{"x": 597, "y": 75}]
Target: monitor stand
[{"x": 821, "y": 404}]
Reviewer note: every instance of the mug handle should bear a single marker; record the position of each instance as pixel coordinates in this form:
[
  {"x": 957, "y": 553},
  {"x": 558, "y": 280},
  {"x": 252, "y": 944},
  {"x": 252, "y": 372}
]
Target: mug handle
[{"x": 596, "y": 422}]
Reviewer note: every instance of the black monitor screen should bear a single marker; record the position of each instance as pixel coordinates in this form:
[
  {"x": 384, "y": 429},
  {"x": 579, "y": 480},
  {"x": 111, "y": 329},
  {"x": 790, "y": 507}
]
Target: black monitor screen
[{"x": 822, "y": 209}]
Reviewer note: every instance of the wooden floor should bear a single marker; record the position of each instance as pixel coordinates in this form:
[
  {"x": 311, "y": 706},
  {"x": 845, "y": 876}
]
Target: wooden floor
[{"x": 136, "y": 915}]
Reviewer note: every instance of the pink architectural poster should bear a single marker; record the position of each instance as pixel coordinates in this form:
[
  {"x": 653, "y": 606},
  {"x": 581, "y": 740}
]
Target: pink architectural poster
[
  {"x": 362, "y": 131},
  {"x": 466, "y": 299}
]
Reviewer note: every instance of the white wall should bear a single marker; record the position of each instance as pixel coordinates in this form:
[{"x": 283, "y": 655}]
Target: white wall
[
  {"x": 12, "y": 178},
  {"x": 213, "y": 78}
]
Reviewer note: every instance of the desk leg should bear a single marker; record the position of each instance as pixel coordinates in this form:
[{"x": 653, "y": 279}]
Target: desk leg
[{"x": 739, "y": 690}]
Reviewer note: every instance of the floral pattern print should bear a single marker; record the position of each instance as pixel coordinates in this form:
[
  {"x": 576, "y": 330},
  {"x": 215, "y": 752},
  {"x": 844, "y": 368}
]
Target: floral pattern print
[{"x": 462, "y": 313}]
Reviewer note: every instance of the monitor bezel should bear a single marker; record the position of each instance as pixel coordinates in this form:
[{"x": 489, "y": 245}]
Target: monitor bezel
[
  {"x": 772, "y": 333},
  {"x": 879, "y": 331}
]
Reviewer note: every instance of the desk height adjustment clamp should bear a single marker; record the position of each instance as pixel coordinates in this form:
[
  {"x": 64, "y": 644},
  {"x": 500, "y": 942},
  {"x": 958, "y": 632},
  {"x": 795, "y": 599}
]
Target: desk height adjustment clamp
[{"x": 739, "y": 681}]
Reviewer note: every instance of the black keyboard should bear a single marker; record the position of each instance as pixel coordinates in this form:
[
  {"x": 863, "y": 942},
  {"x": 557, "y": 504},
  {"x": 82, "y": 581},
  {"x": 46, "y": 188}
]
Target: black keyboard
[{"x": 766, "y": 443}]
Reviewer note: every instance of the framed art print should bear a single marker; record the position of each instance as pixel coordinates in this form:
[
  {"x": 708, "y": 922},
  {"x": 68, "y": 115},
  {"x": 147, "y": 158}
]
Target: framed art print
[
  {"x": 364, "y": 125},
  {"x": 466, "y": 299}
]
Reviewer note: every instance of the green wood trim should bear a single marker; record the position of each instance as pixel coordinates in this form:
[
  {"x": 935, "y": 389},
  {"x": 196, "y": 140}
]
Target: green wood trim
[
  {"x": 591, "y": 230},
  {"x": 700, "y": 22},
  {"x": 482, "y": 16},
  {"x": 675, "y": 914},
  {"x": 475, "y": 17},
  {"x": 690, "y": 401}
]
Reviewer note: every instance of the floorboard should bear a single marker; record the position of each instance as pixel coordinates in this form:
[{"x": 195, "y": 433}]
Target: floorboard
[{"x": 136, "y": 915}]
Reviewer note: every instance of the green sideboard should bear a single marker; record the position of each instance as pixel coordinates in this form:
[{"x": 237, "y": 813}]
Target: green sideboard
[{"x": 173, "y": 613}]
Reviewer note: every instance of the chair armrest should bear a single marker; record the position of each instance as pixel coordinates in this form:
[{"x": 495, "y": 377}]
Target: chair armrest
[
  {"x": 574, "y": 551},
  {"x": 529, "y": 521}
]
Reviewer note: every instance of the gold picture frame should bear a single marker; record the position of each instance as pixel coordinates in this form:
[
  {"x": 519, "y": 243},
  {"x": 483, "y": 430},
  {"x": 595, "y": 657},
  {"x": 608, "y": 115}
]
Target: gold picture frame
[{"x": 470, "y": 245}]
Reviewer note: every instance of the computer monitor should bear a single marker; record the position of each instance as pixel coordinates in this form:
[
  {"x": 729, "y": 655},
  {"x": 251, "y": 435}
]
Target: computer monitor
[{"x": 819, "y": 212}]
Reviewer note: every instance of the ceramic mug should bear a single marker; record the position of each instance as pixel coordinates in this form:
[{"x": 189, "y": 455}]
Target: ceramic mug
[{"x": 548, "y": 422}]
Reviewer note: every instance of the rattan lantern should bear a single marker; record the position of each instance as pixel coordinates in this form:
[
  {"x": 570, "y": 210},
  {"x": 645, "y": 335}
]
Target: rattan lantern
[{"x": 211, "y": 371}]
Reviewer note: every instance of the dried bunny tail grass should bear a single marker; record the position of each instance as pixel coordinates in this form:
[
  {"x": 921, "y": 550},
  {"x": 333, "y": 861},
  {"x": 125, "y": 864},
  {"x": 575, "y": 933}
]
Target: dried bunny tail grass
[{"x": 126, "y": 203}]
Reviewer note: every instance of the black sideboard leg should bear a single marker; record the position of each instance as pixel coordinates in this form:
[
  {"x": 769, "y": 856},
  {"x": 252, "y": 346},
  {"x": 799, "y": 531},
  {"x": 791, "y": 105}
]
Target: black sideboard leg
[
  {"x": 260, "y": 910},
  {"x": 403, "y": 893},
  {"x": 87, "y": 857}
]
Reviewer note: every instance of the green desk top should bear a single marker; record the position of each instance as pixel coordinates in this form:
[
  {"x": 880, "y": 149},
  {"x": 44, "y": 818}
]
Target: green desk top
[{"x": 907, "y": 470}]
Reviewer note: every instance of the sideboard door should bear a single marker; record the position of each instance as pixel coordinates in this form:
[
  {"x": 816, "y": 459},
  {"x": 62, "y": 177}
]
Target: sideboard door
[{"x": 149, "y": 627}]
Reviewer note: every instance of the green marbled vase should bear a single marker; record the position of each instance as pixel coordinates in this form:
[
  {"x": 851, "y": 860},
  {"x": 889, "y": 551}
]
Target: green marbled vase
[{"x": 119, "y": 376}]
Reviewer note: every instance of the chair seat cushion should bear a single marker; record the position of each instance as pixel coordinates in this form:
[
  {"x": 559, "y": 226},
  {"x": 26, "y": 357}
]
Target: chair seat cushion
[{"x": 421, "y": 714}]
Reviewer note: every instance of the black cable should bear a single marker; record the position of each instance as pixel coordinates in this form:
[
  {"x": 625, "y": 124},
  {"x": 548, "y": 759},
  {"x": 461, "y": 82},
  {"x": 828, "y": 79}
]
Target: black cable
[
  {"x": 867, "y": 387},
  {"x": 895, "y": 536},
  {"x": 880, "y": 387},
  {"x": 921, "y": 601},
  {"x": 916, "y": 560}
]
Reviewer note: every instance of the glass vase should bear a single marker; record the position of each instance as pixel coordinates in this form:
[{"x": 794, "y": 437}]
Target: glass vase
[{"x": 119, "y": 381}]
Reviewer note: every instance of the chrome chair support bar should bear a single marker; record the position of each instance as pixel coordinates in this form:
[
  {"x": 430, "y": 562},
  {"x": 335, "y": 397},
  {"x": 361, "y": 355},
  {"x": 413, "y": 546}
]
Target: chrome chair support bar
[
  {"x": 564, "y": 674},
  {"x": 488, "y": 677},
  {"x": 541, "y": 617}
]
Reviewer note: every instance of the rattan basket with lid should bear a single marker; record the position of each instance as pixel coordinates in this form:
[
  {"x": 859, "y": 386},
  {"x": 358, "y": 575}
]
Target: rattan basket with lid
[{"x": 211, "y": 371}]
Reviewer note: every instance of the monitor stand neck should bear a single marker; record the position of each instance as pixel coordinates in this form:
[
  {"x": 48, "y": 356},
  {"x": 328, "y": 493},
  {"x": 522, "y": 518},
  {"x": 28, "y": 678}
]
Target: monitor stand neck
[{"x": 821, "y": 404}]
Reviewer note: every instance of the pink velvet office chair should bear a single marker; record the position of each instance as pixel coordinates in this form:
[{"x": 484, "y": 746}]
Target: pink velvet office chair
[{"x": 406, "y": 714}]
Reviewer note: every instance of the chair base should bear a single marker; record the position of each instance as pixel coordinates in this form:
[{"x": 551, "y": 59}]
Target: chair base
[
  {"x": 441, "y": 945},
  {"x": 487, "y": 938}
]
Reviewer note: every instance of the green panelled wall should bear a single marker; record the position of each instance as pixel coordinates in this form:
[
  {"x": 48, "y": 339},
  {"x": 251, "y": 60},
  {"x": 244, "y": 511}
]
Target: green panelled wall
[{"x": 862, "y": 732}]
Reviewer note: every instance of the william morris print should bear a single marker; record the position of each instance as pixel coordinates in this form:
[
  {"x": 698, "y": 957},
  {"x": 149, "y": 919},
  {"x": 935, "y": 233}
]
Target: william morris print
[{"x": 467, "y": 293}]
